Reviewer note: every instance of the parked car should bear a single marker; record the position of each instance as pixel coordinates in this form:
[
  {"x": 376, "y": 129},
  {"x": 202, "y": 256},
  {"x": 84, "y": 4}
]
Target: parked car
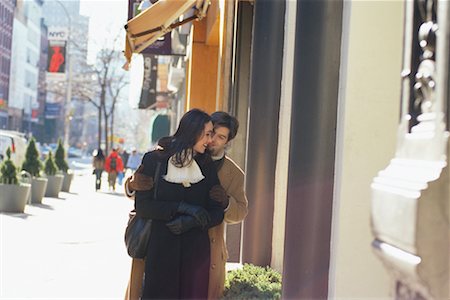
[
  {"x": 74, "y": 153},
  {"x": 18, "y": 144}
]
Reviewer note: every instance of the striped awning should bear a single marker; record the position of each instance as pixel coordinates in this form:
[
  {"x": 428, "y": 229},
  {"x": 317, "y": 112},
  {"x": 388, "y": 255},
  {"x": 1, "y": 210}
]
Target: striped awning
[{"x": 157, "y": 20}]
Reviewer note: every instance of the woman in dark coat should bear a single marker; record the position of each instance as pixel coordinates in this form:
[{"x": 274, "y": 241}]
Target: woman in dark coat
[
  {"x": 98, "y": 162},
  {"x": 178, "y": 255}
]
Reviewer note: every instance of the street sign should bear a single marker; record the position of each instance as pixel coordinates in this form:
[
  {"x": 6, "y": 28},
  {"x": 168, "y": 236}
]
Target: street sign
[{"x": 57, "y": 44}]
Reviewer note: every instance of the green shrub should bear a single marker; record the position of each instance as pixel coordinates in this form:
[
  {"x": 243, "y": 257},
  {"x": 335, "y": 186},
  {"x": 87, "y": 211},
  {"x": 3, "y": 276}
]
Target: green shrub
[
  {"x": 32, "y": 164},
  {"x": 253, "y": 282},
  {"x": 8, "y": 171},
  {"x": 60, "y": 157},
  {"x": 50, "y": 166}
]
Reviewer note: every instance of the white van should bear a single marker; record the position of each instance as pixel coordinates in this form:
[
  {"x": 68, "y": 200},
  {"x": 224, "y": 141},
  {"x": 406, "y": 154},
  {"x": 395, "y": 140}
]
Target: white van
[{"x": 18, "y": 144}]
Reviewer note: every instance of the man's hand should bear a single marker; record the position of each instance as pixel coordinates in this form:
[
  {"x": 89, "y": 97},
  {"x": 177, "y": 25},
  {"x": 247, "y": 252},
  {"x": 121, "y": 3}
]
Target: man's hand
[
  {"x": 139, "y": 181},
  {"x": 218, "y": 194}
]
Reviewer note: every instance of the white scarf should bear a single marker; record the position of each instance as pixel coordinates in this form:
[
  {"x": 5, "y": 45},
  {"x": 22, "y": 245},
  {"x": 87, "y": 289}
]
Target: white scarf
[{"x": 185, "y": 175}]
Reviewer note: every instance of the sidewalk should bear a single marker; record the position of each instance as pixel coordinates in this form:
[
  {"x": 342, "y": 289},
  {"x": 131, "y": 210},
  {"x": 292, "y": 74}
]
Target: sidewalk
[{"x": 67, "y": 248}]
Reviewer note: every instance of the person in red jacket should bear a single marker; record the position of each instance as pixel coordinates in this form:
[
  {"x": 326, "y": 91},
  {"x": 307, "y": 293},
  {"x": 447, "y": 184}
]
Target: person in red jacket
[{"x": 113, "y": 165}]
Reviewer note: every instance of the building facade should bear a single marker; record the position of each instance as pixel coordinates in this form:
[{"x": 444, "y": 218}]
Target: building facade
[
  {"x": 33, "y": 14},
  {"x": 25, "y": 59},
  {"x": 317, "y": 87},
  {"x": 39, "y": 113},
  {"x": 6, "y": 31},
  {"x": 17, "y": 75}
]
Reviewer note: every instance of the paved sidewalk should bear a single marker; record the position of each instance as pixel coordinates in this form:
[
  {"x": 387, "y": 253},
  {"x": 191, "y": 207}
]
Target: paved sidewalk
[{"x": 67, "y": 248}]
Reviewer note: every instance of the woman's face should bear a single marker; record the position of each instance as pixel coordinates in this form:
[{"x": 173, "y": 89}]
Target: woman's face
[{"x": 205, "y": 138}]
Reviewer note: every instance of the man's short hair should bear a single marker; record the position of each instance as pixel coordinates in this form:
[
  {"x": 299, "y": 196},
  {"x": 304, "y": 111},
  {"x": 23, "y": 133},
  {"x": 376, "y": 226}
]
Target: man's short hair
[{"x": 224, "y": 119}]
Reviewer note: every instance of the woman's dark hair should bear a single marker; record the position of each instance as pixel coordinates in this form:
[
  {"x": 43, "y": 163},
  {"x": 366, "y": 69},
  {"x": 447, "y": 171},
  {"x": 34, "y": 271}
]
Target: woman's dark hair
[
  {"x": 223, "y": 119},
  {"x": 98, "y": 153},
  {"x": 190, "y": 129}
]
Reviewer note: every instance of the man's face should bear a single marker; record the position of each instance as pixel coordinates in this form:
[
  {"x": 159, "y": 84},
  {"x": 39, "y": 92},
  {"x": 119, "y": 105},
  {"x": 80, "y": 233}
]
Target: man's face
[
  {"x": 219, "y": 140},
  {"x": 203, "y": 142}
]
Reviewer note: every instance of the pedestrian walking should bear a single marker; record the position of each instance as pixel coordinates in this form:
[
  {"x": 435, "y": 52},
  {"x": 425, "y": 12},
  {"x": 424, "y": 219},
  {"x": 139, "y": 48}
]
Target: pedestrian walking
[
  {"x": 98, "y": 162},
  {"x": 124, "y": 155},
  {"x": 113, "y": 165},
  {"x": 178, "y": 255},
  {"x": 134, "y": 160}
]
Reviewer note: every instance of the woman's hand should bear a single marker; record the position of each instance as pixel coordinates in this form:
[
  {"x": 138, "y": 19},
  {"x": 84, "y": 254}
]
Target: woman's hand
[
  {"x": 198, "y": 212},
  {"x": 182, "y": 224}
]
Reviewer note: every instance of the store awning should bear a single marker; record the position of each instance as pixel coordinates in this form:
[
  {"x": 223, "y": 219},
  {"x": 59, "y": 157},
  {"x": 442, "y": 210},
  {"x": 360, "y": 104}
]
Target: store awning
[{"x": 157, "y": 20}]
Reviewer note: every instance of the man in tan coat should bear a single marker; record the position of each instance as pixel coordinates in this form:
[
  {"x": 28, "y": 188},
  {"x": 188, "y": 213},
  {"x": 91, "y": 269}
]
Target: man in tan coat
[
  {"x": 235, "y": 206},
  {"x": 231, "y": 178}
]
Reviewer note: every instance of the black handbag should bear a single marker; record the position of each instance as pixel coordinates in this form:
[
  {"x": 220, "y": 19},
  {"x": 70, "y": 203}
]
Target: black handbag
[{"x": 137, "y": 233}]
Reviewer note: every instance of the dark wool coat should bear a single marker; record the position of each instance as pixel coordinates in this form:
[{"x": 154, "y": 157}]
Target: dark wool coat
[{"x": 177, "y": 266}]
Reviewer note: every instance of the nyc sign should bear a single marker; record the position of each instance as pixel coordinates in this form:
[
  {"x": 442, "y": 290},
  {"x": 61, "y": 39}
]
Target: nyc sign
[{"x": 57, "y": 34}]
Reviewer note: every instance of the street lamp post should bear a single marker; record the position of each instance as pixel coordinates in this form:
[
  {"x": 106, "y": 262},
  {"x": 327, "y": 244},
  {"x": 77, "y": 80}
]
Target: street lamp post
[{"x": 69, "y": 81}]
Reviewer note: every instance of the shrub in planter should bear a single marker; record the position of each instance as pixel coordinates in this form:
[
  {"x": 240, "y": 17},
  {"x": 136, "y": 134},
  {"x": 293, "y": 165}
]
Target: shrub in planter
[
  {"x": 33, "y": 165},
  {"x": 50, "y": 166},
  {"x": 60, "y": 158},
  {"x": 253, "y": 282},
  {"x": 55, "y": 181},
  {"x": 61, "y": 163},
  {"x": 13, "y": 195},
  {"x": 8, "y": 170}
]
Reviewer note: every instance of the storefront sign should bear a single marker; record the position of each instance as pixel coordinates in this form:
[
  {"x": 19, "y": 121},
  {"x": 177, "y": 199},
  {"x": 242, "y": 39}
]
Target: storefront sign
[{"x": 148, "y": 92}]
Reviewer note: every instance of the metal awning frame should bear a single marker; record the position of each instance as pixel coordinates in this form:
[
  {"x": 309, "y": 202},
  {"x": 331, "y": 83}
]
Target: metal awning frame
[{"x": 200, "y": 13}]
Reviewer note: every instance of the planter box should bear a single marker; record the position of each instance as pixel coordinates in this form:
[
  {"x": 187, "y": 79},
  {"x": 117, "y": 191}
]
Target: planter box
[
  {"x": 68, "y": 177},
  {"x": 38, "y": 188},
  {"x": 13, "y": 198},
  {"x": 54, "y": 185}
]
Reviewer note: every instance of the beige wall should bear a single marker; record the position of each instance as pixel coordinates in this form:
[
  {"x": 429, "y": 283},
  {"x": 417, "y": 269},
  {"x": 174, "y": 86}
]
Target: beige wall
[
  {"x": 202, "y": 72},
  {"x": 367, "y": 125}
]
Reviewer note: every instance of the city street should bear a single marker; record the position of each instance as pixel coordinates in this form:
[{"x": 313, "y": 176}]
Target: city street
[{"x": 68, "y": 247}]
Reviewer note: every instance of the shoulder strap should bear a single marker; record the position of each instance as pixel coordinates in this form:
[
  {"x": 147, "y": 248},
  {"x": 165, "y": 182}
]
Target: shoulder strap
[{"x": 156, "y": 179}]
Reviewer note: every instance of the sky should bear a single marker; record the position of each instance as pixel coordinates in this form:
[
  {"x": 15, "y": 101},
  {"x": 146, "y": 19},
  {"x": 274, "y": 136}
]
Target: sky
[{"x": 107, "y": 18}]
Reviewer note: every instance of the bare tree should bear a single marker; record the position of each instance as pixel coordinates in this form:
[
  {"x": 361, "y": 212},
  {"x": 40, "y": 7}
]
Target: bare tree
[
  {"x": 104, "y": 90},
  {"x": 114, "y": 92},
  {"x": 111, "y": 80}
]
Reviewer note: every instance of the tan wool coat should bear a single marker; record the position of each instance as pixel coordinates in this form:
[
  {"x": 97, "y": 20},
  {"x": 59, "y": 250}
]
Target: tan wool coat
[{"x": 232, "y": 180}]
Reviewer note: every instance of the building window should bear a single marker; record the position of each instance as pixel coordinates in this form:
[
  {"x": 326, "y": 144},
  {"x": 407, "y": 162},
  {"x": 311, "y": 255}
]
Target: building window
[{"x": 32, "y": 37}]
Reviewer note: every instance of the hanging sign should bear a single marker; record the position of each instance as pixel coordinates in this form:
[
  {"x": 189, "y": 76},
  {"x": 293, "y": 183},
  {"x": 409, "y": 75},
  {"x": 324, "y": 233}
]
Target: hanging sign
[
  {"x": 148, "y": 91},
  {"x": 56, "y": 57}
]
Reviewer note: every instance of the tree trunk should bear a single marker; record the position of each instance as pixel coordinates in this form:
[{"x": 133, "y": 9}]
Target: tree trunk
[
  {"x": 106, "y": 133},
  {"x": 99, "y": 127},
  {"x": 112, "y": 128}
]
